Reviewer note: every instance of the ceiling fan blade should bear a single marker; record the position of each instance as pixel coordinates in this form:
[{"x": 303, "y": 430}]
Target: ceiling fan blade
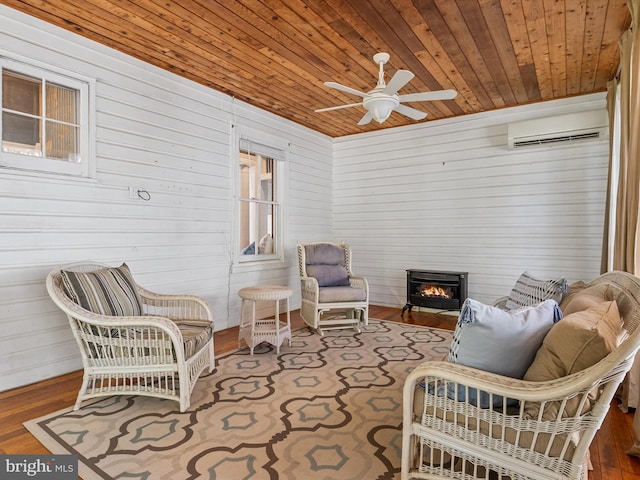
[
  {"x": 366, "y": 119},
  {"x": 410, "y": 112},
  {"x": 344, "y": 88},
  {"x": 339, "y": 107},
  {"x": 428, "y": 96},
  {"x": 399, "y": 80}
]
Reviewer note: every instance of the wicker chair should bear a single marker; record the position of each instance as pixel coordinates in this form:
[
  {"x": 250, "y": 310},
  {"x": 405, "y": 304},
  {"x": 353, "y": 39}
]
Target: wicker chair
[
  {"x": 332, "y": 296},
  {"x": 445, "y": 436},
  {"x": 159, "y": 352}
]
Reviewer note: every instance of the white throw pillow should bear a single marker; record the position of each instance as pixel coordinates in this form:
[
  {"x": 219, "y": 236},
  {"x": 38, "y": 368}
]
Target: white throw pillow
[
  {"x": 265, "y": 245},
  {"x": 500, "y": 341},
  {"x": 497, "y": 341}
]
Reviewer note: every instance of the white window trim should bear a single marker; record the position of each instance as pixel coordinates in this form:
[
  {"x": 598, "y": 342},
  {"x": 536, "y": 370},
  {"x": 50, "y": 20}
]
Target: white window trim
[
  {"x": 242, "y": 262},
  {"x": 16, "y": 163}
]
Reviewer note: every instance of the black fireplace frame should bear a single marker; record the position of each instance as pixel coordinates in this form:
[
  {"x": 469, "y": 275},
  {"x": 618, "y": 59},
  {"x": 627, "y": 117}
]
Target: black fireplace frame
[{"x": 458, "y": 281}]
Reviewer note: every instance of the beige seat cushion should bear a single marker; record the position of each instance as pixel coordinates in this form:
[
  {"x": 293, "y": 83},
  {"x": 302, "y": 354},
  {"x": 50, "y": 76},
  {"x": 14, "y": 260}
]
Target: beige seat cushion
[
  {"x": 195, "y": 334},
  {"x": 578, "y": 341}
]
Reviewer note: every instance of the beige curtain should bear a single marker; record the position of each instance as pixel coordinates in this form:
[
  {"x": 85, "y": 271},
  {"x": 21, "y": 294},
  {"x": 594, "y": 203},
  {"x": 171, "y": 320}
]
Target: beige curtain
[
  {"x": 620, "y": 242},
  {"x": 622, "y": 248},
  {"x": 606, "y": 263}
]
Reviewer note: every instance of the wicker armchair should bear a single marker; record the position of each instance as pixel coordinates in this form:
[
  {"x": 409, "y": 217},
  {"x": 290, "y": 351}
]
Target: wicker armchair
[
  {"x": 544, "y": 434},
  {"x": 138, "y": 342},
  {"x": 332, "y": 296}
]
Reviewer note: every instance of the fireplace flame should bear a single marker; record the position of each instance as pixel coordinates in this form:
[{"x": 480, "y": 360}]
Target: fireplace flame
[{"x": 434, "y": 291}]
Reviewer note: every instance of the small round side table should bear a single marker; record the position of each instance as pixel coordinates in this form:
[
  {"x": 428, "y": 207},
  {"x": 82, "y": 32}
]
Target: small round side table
[{"x": 255, "y": 331}]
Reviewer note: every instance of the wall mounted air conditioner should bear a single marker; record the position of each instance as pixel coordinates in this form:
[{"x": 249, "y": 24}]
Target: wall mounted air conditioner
[{"x": 573, "y": 127}]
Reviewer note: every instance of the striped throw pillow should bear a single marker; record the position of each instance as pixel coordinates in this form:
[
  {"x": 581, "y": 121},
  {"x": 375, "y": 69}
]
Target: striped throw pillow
[
  {"x": 108, "y": 291},
  {"x": 530, "y": 290}
]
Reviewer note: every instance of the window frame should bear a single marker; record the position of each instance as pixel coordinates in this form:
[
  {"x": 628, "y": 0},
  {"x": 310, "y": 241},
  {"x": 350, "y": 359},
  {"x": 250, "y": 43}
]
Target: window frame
[
  {"x": 270, "y": 143},
  {"x": 85, "y": 168}
]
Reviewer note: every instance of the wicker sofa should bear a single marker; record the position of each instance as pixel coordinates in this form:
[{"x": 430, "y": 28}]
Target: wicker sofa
[{"x": 539, "y": 429}]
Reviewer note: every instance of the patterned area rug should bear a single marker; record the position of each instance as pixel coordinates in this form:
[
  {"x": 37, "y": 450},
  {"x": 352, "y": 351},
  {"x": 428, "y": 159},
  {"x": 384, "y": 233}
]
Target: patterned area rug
[{"x": 328, "y": 407}]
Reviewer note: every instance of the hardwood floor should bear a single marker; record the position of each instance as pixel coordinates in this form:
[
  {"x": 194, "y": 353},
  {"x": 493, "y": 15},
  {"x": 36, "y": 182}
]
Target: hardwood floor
[{"x": 609, "y": 459}]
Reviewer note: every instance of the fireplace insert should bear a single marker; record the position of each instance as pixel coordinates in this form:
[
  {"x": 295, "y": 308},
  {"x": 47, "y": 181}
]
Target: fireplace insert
[{"x": 435, "y": 289}]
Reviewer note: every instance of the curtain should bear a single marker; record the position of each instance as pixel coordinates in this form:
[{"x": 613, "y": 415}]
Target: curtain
[
  {"x": 620, "y": 242},
  {"x": 613, "y": 105}
]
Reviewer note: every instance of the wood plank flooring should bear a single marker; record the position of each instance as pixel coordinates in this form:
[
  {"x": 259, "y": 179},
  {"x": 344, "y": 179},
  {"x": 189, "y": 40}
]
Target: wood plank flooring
[{"x": 609, "y": 459}]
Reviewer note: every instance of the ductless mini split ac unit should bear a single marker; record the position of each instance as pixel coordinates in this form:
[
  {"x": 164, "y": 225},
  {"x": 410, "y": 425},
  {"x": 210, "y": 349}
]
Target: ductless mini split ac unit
[{"x": 573, "y": 127}]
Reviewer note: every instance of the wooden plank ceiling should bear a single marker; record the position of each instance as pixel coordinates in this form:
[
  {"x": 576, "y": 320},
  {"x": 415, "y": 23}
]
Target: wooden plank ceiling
[{"x": 276, "y": 54}]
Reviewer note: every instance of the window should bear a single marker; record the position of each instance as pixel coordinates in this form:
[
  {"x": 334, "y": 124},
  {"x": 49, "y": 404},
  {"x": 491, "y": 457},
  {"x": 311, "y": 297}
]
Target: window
[
  {"x": 44, "y": 121},
  {"x": 260, "y": 194}
]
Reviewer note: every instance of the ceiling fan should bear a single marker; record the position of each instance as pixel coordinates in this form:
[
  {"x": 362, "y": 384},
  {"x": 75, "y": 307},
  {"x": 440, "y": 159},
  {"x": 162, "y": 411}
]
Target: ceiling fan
[{"x": 384, "y": 98}]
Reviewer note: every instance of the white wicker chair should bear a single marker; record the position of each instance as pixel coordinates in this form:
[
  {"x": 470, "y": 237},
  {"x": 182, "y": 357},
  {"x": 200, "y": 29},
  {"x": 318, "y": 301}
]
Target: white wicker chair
[
  {"x": 448, "y": 438},
  {"x": 139, "y": 355},
  {"x": 331, "y": 307}
]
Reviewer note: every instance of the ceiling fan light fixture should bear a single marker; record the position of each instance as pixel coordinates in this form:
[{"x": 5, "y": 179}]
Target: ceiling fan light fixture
[
  {"x": 380, "y": 107},
  {"x": 384, "y": 98}
]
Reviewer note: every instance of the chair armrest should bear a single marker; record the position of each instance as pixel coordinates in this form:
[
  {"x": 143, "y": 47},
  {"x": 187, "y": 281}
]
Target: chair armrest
[
  {"x": 103, "y": 338},
  {"x": 309, "y": 288},
  {"x": 359, "y": 281},
  {"x": 501, "y": 302},
  {"x": 175, "y": 307},
  {"x": 499, "y": 385},
  {"x": 125, "y": 322}
]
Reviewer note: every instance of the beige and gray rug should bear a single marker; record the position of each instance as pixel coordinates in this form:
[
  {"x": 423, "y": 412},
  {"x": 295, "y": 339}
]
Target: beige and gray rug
[{"x": 327, "y": 408}]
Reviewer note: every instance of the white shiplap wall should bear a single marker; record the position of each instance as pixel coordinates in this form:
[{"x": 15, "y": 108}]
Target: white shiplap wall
[
  {"x": 439, "y": 195},
  {"x": 449, "y": 195},
  {"x": 156, "y": 131}
]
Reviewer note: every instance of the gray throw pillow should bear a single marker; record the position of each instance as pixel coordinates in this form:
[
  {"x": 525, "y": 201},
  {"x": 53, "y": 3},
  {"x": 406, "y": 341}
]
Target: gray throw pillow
[{"x": 329, "y": 275}]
